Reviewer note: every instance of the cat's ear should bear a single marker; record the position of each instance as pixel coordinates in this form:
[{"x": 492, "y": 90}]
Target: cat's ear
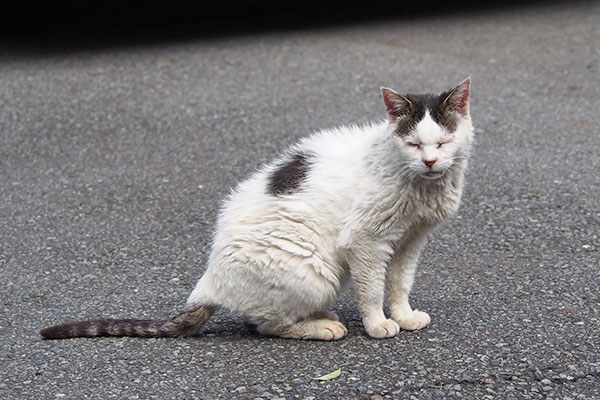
[
  {"x": 396, "y": 104},
  {"x": 457, "y": 99}
]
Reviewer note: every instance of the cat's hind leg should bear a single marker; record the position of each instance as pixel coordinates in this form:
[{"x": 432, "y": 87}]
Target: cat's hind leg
[
  {"x": 322, "y": 328},
  {"x": 315, "y": 329},
  {"x": 325, "y": 315}
]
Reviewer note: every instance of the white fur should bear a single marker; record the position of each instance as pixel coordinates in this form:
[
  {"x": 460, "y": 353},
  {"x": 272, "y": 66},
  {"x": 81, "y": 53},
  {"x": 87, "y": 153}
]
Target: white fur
[{"x": 362, "y": 213}]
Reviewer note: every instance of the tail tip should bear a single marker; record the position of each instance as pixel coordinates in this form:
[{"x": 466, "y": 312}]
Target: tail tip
[
  {"x": 56, "y": 332},
  {"x": 46, "y": 333}
]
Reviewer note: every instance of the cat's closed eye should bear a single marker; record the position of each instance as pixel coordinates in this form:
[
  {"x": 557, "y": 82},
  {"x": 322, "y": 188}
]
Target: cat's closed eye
[{"x": 418, "y": 145}]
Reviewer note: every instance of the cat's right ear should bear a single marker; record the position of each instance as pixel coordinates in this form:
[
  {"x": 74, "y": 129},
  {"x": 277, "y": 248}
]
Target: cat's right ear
[{"x": 396, "y": 104}]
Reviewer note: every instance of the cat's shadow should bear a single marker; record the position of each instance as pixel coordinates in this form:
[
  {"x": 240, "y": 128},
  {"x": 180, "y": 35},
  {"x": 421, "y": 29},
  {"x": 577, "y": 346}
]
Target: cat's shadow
[{"x": 227, "y": 328}]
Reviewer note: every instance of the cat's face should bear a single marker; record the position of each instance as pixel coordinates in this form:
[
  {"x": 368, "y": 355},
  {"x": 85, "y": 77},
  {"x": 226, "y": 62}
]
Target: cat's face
[{"x": 432, "y": 131}]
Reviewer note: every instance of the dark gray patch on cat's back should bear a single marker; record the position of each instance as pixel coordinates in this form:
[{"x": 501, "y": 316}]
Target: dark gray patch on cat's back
[
  {"x": 287, "y": 177},
  {"x": 441, "y": 114}
]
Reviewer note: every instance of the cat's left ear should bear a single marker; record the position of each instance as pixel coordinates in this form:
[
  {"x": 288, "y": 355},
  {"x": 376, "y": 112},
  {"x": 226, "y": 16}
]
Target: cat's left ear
[{"x": 458, "y": 98}]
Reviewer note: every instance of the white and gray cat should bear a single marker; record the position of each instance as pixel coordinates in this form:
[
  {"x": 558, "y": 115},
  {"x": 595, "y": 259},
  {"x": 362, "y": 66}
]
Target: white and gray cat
[{"x": 348, "y": 204}]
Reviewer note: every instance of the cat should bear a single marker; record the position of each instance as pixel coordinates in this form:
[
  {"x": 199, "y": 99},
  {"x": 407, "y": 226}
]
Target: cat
[{"x": 347, "y": 204}]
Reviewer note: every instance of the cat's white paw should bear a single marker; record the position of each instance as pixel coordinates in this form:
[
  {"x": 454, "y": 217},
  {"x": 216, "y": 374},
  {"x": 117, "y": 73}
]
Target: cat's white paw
[
  {"x": 414, "y": 321},
  {"x": 316, "y": 329},
  {"x": 389, "y": 328},
  {"x": 330, "y": 330}
]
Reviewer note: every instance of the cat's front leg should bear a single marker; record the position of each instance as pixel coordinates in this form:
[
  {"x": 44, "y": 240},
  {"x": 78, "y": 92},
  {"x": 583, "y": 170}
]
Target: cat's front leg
[
  {"x": 401, "y": 276},
  {"x": 367, "y": 260}
]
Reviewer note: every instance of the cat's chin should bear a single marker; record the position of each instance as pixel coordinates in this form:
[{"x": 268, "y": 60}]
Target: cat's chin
[{"x": 431, "y": 175}]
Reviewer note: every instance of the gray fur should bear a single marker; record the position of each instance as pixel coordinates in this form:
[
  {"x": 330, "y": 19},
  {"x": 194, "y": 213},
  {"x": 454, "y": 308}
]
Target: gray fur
[{"x": 185, "y": 323}]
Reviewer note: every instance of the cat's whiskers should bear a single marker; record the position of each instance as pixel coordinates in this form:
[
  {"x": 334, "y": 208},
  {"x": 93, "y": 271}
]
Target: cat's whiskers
[{"x": 406, "y": 172}]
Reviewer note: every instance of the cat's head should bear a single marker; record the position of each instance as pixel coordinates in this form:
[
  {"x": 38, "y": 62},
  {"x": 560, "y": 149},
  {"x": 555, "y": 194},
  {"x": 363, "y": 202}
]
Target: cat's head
[{"x": 433, "y": 132}]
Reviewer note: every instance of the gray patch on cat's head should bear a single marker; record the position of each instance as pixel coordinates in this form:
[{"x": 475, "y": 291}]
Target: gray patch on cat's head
[
  {"x": 287, "y": 177},
  {"x": 440, "y": 113},
  {"x": 446, "y": 109},
  {"x": 419, "y": 104}
]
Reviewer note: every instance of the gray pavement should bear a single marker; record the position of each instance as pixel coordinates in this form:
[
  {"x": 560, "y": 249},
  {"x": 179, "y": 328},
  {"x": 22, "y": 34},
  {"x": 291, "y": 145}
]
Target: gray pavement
[{"x": 113, "y": 162}]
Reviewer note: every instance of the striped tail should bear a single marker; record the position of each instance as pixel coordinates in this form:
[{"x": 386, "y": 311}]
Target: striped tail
[{"x": 186, "y": 323}]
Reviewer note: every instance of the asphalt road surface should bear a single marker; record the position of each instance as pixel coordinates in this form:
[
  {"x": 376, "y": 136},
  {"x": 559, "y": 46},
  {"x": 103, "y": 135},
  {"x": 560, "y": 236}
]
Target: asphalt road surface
[{"x": 115, "y": 155}]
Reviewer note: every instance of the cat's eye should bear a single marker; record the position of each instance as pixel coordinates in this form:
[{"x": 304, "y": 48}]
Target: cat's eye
[
  {"x": 439, "y": 145},
  {"x": 417, "y": 145}
]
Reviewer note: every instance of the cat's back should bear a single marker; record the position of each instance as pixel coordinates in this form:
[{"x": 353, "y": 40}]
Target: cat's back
[
  {"x": 314, "y": 181},
  {"x": 328, "y": 163}
]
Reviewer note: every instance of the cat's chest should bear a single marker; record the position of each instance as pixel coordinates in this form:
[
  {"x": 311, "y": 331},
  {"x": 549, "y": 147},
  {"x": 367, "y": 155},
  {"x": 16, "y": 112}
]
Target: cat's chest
[
  {"x": 426, "y": 205},
  {"x": 436, "y": 205},
  {"x": 419, "y": 215}
]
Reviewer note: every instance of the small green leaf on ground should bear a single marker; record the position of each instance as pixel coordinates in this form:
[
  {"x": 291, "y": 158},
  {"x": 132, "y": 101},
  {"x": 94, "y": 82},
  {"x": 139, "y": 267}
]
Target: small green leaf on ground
[{"x": 329, "y": 376}]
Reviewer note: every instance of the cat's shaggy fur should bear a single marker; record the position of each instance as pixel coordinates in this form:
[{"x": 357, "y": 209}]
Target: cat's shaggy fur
[{"x": 348, "y": 204}]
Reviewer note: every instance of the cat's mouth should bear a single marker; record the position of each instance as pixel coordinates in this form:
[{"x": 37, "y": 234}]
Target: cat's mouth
[{"x": 433, "y": 174}]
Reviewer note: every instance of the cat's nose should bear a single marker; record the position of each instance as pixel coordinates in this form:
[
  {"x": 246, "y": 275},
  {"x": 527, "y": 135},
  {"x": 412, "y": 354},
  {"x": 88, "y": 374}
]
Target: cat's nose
[{"x": 430, "y": 163}]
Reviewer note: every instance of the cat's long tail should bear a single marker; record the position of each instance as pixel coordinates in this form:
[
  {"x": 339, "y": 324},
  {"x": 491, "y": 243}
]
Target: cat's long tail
[{"x": 186, "y": 323}]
